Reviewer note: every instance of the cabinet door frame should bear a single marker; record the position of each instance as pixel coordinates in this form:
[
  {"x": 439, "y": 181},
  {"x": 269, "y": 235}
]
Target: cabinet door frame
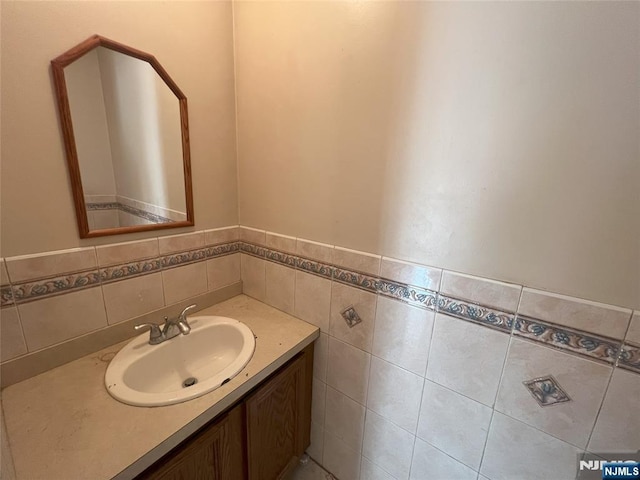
[
  {"x": 231, "y": 431},
  {"x": 224, "y": 436},
  {"x": 298, "y": 372}
]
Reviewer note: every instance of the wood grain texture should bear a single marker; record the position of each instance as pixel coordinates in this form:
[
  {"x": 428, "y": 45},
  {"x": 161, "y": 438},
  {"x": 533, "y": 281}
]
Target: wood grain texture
[
  {"x": 305, "y": 435},
  {"x": 186, "y": 150},
  {"x": 214, "y": 453},
  {"x": 60, "y": 87},
  {"x": 71, "y": 153},
  {"x": 261, "y": 438},
  {"x": 274, "y": 423}
]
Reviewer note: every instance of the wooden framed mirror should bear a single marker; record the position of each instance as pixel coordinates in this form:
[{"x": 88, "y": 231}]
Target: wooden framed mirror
[{"x": 126, "y": 136}]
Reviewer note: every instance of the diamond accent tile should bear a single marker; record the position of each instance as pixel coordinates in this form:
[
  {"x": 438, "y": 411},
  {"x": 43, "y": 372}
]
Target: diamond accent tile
[
  {"x": 546, "y": 391},
  {"x": 351, "y": 316}
]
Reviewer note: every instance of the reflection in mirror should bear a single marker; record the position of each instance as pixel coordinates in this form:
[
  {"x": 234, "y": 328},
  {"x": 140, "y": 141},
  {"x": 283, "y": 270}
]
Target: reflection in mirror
[
  {"x": 127, "y": 130},
  {"x": 128, "y": 139}
]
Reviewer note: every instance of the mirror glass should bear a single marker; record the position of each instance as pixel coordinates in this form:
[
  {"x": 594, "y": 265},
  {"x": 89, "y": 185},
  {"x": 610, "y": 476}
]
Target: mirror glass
[{"x": 125, "y": 140}]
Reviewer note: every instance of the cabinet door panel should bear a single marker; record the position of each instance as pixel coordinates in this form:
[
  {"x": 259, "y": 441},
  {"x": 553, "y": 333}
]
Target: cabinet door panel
[
  {"x": 215, "y": 453},
  {"x": 261, "y": 439},
  {"x": 275, "y": 416}
]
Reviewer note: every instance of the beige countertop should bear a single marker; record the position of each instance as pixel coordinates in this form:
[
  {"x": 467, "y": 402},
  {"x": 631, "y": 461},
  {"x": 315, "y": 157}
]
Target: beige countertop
[{"x": 63, "y": 425}]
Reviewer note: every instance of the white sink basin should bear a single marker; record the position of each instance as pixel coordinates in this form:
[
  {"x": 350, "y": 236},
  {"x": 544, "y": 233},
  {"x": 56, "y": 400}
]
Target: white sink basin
[{"x": 215, "y": 351}]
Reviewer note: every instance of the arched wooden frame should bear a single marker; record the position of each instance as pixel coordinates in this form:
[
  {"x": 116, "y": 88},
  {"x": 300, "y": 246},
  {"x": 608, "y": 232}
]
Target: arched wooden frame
[{"x": 57, "y": 66}]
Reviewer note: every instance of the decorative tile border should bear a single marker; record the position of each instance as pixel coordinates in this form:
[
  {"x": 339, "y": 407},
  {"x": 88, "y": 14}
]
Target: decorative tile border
[
  {"x": 47, "y": 287},
  {"x": 6, "y": 296},
  {"x": 222, "y": 249},
  {"x": 587, "y": 344},
  {"x": 479, "y": 314},
  {"x": 282, "y": 258},
  {"x": 94, "y": 206},
  {"x": 416, "y": 296},
  {"x": 152, "y": 217},
  {"x": 400, "y": 291},
  {"x": 251, "y": 249},
  {"x": 546, "y": 391},
  {"x": 571, "y": 341},
  {"x": 129, "y": 270},
  {"x": 184, "y": 258},
  {"x": 355, "y": 279},
  {"x": 180, "y": 259},
  {"x": 37, "y": 289},
  {"x": 314, "y": 267},
  {"x": 629, "y": 358}
]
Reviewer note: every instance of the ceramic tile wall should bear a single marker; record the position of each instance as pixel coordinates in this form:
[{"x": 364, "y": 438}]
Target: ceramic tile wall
[
  {"x": 439, "y": 375},
  {"x": 444, "y": 372},
  {"x": 57, "y": 296}
]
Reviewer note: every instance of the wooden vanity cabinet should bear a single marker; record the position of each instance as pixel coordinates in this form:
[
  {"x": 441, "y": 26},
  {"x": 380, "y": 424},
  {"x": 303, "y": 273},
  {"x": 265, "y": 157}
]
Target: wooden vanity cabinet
[
  {"x": 262, "y": 437},
  {"x": 214, "y": 453},
  {"x": 278, "y": 417}
]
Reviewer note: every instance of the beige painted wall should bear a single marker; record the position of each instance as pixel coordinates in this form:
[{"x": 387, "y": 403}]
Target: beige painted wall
[
  {"x": 497, "y": 139},
  {"x": 141, "y": 106},
  {"x": 194, "y": 43},
  {"x": 90, "y": 125}
]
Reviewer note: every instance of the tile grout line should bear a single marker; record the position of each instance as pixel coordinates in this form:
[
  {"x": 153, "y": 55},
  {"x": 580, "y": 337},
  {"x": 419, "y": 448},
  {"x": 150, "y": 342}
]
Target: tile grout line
[
  {"x": 324, "y": 429},
  {"x": 606, "y": 390},
  {"x": 399, "y": 260},
  {"x": 162, "y": 268},
  {"x": 24, "y": 337},
  {"x": 624, "y": 340},
  {"x": 493, "y": 409},
  {"x": 366, "y": 400},
  {"x": 161, "y": 271},
  {"x": 14, "y": 305},
  {"x": 102, "y": 284},
  {"x": 522, "y": 287},
  {"x": 451, "y": 457},
  {"x": 502, "y": 373},
  {"x": 438, "y": 294},
  {"x": 541, "y": 431},
  {"x": 363, "y": 457},
  {"x": 326, "y": 380},
  {"x": 368, "y": 377},
  {"x": 565, "y": 351},
  {"x": 424, "y": 386},
  {"x": 425, "y": 379},
  {"x": 98, "y": 271},
  {"x": 295, "y": 285},
  {"x": 389, "y": 296}
]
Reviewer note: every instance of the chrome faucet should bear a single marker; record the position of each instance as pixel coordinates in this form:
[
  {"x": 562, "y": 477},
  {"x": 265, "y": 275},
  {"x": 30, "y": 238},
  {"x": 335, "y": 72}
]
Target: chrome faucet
[{"x": 171, "y": 328}]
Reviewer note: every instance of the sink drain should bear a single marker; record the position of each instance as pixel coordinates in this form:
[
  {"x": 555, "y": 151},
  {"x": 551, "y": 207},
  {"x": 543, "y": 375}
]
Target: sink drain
[{"x": 189, "y": 382}]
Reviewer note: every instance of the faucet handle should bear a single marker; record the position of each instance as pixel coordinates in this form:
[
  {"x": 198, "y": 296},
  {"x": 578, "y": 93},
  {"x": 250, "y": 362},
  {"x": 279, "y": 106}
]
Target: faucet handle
[
  {"x": 183, "y": 325},
  {"x": 183, "y": 315},
  {"x": 155, "y": 335}
]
